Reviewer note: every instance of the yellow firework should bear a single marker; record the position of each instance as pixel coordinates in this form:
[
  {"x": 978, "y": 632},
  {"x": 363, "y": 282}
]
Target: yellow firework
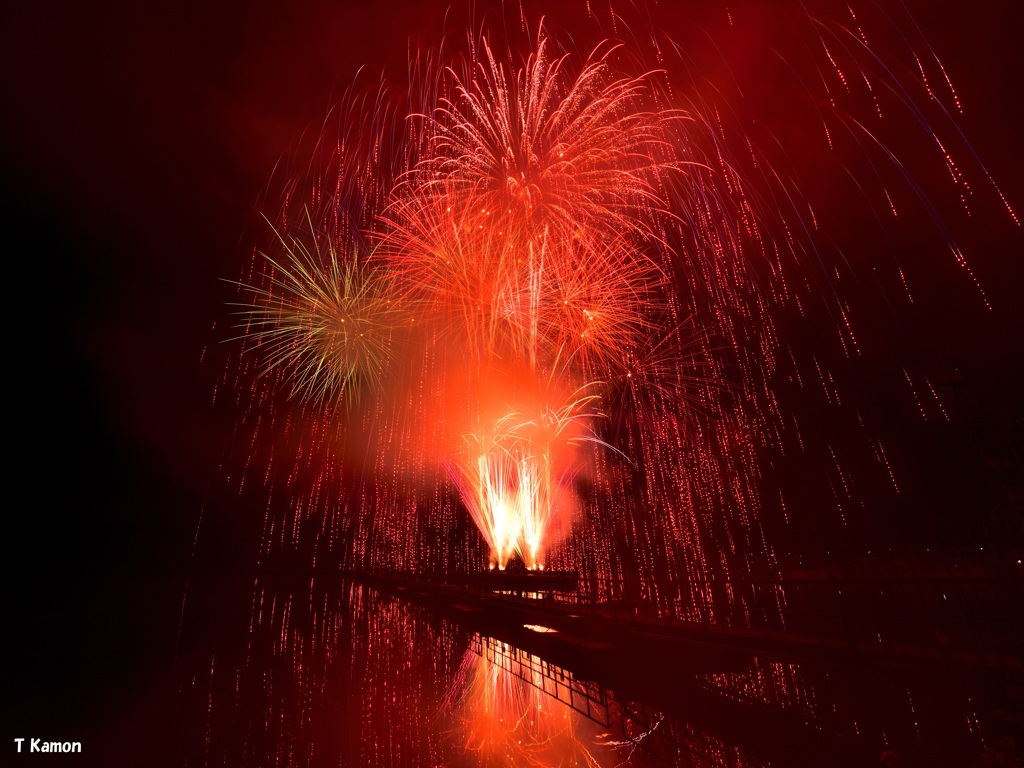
[{"x": 325, "y": 320}]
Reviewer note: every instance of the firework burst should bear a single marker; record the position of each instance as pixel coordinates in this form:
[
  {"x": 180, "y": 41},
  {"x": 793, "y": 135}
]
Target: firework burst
[
  {"x": 326, "y": 320},
  {"x": 574, "y": 154}
]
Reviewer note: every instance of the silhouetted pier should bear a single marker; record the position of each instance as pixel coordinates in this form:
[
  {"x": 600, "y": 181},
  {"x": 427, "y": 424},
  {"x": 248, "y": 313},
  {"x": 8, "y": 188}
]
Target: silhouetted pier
[{"x": 891, "y": 618}]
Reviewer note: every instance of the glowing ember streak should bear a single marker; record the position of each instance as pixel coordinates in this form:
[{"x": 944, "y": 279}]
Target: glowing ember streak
[{"x": 601, "y": 271}]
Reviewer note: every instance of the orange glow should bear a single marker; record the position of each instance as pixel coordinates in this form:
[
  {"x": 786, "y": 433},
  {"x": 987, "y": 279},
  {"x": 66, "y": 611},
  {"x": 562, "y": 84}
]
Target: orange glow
[
  {"x": 514, "y": 461},
  {"x": 509, "y": 720}
]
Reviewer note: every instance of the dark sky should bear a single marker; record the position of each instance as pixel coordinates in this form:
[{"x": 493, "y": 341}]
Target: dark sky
[{"x": 139, "y": 141}]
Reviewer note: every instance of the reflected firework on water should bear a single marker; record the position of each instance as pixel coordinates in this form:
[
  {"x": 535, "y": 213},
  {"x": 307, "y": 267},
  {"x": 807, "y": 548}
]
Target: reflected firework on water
[{"x": 335, "y": 673}]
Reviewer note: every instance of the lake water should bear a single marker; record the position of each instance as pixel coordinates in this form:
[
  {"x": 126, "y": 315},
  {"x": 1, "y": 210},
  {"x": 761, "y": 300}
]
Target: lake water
[{"x": 328, "y": 672}]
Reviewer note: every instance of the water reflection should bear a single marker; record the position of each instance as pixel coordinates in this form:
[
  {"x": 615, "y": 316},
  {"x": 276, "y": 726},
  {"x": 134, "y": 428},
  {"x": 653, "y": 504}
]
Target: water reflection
[
  {"x": 318, "y": 674},
  {"x": 336, "y": 673},
  {"x": 513, "y": 709},
  {"x": 328, "y": 672}
]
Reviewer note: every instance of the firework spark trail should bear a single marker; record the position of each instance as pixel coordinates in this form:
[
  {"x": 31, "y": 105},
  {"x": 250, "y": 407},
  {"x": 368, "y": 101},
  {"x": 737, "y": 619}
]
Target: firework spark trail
[
  {"x": 594, "y": 224},
  {"x": 519, "y": 220},
  {"x": 578, "y": 155}
]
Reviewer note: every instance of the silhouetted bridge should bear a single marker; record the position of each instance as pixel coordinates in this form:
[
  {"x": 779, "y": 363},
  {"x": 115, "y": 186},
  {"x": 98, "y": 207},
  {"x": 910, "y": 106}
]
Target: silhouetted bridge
[
  {"x": 886, "y": 619},
  {"x": 664, "y": 647}
]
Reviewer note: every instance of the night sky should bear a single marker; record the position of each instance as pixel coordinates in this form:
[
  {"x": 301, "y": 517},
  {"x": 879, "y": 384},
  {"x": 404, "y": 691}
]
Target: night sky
[{"x": 140, "y": 142}]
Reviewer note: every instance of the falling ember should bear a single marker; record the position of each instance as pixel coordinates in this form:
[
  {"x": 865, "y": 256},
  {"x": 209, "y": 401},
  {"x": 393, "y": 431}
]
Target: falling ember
[{"x": 554, "y": 296}]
